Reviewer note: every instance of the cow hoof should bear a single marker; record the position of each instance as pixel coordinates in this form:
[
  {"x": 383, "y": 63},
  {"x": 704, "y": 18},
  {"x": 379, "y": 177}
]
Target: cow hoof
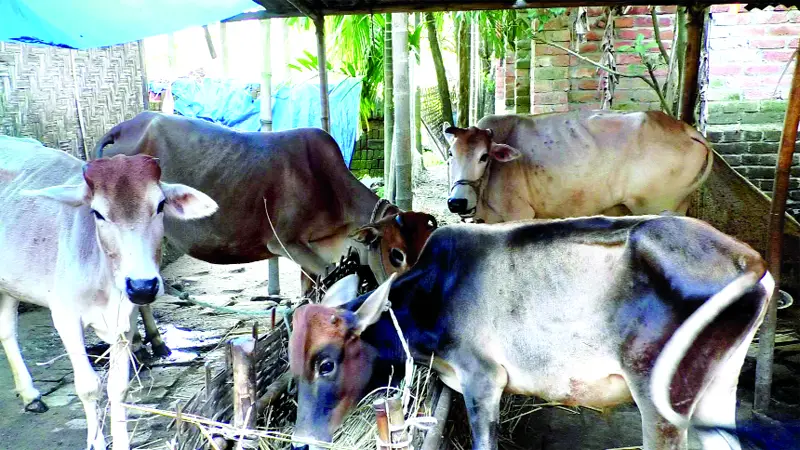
[
  {"x": 141, "y": 355},
  {"x": 37, "y": 406},
  {"x": 161, "y": 350}
]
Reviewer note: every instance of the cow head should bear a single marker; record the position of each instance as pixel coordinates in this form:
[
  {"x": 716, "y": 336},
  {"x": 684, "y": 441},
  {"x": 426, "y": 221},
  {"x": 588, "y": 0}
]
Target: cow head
[
  {"x": 332, "y": 364},
  {"x": 127, "y": 201},
  {"x": 471, "y": 152},
  {"x": 395, "y": 241}
]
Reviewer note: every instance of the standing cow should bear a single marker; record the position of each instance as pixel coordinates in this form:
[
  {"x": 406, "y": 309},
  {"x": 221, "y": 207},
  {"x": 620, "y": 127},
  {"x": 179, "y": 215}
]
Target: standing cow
[
  {"x": 297, "y": 176},
  {"x": 575, "y": 164},
  {"x": 594, "y": 311},
  {"x": 83, "y": 241}
]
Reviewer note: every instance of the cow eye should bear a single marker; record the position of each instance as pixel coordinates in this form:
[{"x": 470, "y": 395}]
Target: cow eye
[
  {"x": 484, "y": 157},
  {"x": 160, "y": 208},
  {"x": 396, "y": 257},
  {"x": 326, "y": 367},
  {"x": 97, "y": 215}
]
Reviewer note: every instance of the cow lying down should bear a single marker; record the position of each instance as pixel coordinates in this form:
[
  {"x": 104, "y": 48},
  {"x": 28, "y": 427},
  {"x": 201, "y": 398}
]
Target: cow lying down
[
  {"x": 83, "y": 240},
  {"x": 592, "y": 311}
]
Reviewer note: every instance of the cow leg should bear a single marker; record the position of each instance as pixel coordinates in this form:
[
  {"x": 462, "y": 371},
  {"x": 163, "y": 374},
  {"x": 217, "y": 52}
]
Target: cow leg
[
  {"x": 151, "y": 333},
  {"x": 87, "y": 383},
  {"x": 657, "y": 432},
  {"x": 482, "y": 384},
  {"x": 8, "y": 336},
  {"x": 137, "y": 343},
  {"x": 118, "y": 373}
]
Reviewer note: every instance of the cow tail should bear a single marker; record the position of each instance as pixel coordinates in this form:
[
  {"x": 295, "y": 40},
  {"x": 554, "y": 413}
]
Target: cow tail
[
  {"x": 709, "y": 162},
  {"x": 673, "y": 352},
  {"x": 107, "y": 138}
]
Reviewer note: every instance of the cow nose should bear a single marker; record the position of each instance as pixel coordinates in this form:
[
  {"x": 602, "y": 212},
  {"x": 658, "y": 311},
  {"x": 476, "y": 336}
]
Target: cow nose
[
  {"x": 141, "y": 292},
  {"x": 457, "y": 205}
]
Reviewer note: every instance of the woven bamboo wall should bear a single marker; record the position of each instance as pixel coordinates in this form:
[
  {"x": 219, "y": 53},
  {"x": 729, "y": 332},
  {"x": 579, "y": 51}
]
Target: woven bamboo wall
[{"x": 38, "y": 93}]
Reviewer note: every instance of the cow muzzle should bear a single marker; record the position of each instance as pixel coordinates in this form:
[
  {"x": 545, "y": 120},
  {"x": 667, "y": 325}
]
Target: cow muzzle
[
  {"x": 142, "y": 292},
  {"x": 464, "y": 197}
]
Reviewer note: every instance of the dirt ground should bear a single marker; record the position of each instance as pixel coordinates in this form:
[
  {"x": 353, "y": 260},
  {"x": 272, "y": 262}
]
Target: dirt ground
[{"x": 195, "y": 334}]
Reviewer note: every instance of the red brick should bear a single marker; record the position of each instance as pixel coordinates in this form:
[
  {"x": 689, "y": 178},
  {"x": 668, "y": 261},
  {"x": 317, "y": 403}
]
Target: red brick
[
  {"x": 594, "y": 11},
  {"x": 589, "y": 47},
  {"x": 586, "y": 106},
  {"x": 584, "y": 72},
  {"x": 794, "y": 16},
  {"x": 540, "y": 86},
  {"x": 666, "y": 9},
  {"x": 660, "y": 73},
  {"x": 583, "y": 96},
  {"x": 618, "y": 44},
  {"x": 784, "y": 30},
  {"x": 634, "y": 10},
  {"x": 542, "y": 109},
  {"x": 628, "y": 58},
  {"x": 720, "y": 8},
  {"x": 561, "y": 108},
  {"x": 624, "y": 22},
  {"x": 631, "y": 33},
  {"x": 594, "y": 35},
  {"x": 587, "y": 85},
  {"x": 762, "y": 70},
  {"x": 550, "y": 98},
  {"x": 778, "y": 17},
  {"x": 599, "y": 24},
  {"x": 767, "y": 43},
  {"x": 561, "y": 85},
  {"x": 544, "y": 49},
  {"x": 724, "y": 70},
  {"x": 758, "y": 93},
  {"x": 731, "y": 19},
  {"x": 778, "y": 55},
  {"x": 643, "y": 21},
  {"x": 793, "y": 43},
  {"x": 555, "y": 24}
]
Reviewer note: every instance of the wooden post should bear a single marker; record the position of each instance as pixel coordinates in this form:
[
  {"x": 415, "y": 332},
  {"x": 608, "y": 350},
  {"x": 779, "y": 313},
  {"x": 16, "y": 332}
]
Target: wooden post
[
  {"x": 434, "y": 437},
  {"x": 274, "y": 283},
  {"x": 382, "y": 419},
  {"x": 325, "y": 112},
  {"x": 766, "y": 336},
  {"x": 145, "y": 87},
  {"x": 388, "y": 109},
  {"x": 397, "y": 422},
  {"x": 695, "y": 22},
  {"x": 242, "y": 351},
  {"x": 209, "y": 42}
]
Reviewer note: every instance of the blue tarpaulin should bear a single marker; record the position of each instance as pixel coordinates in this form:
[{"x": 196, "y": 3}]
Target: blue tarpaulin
[
  {"x": 298, "y": 106},
  {"x": 100, "y": 23},
  {"x": 230, "y": 103}
]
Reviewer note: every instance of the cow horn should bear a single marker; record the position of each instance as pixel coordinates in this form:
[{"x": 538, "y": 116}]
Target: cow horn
[
  {"x": 434, "y": 222},
  {"x": 399, "y": 219},
  {"x": 490, "y": 132}
]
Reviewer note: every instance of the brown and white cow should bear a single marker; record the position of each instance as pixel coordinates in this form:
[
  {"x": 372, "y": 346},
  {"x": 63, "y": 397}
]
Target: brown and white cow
[
  {"x": 299, "y": 176},
  {"x": 575, "y": 164},
  {"x": 83, "y": 241},
  {"x": 594, "y": 311}
]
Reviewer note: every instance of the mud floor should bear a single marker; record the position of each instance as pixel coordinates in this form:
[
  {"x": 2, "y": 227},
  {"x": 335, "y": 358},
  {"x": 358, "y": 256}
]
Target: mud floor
[{"x": 195, "y": 334}]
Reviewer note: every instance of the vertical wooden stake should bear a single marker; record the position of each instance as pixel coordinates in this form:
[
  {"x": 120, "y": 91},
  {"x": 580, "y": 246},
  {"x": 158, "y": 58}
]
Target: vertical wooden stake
[
  {"x": 242, "y": 351},
  {"x": 209, "y": 42},
  {"x": 766, "y": 336},
  {"x": 325, "y": 113},
  {"x": 379, "y": 406},
  {"x": 397, "y": 422}
]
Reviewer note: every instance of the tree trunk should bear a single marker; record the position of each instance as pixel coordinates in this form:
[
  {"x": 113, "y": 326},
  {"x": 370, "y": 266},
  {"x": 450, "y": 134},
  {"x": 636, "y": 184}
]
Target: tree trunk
[
  {"x": 438, "y": 64},
  {"x": 388, "y": 109},
  {"x": 677, "y": 61},
  {"x": 462, "y": 49},
  {"x": 485, "y": 78},
  {"x": 402, "y": 104}
]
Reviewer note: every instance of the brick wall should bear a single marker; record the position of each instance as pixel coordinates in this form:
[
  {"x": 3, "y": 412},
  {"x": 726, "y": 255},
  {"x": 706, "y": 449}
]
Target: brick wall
[
  {"x": 562, "y": 82},
  {"x": 368, "y": 154},
  {"x": 746, "y": 103}
]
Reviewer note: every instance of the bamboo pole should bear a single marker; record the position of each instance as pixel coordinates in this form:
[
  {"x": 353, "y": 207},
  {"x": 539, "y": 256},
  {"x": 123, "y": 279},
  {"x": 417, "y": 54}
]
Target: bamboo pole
[
  {"x": 434, "y": 437},
  {"x": 242, "y": 352},
  {"x": 766, "y": 337},
  {"x": 209, "y": 42},
  {"x": 274, "y": 271},
  {"x": 325, "y": 112},
  {"x": 223, "y": 38},
  {"x": 382, "y": 419},
  {"x": 401, "y": 152},
  {"x": 695, "y": 22}
]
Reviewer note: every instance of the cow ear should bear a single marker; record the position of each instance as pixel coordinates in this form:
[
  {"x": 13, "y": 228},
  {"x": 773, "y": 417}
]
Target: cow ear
[
  {"x": 72, "y": 195},
  {"x": 504, "y": 153},
  {"x": 185, "y": 203},
  {"x": 341, "y": 292},
  {"x": 366, "y": 235},
  {"x": 371, "y": 310},
  {"x": 449, "y": 132}
]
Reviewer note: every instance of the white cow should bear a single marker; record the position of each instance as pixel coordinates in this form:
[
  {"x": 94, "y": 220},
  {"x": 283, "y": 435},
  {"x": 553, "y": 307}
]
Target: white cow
[{"x": 83, "y": 240}]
